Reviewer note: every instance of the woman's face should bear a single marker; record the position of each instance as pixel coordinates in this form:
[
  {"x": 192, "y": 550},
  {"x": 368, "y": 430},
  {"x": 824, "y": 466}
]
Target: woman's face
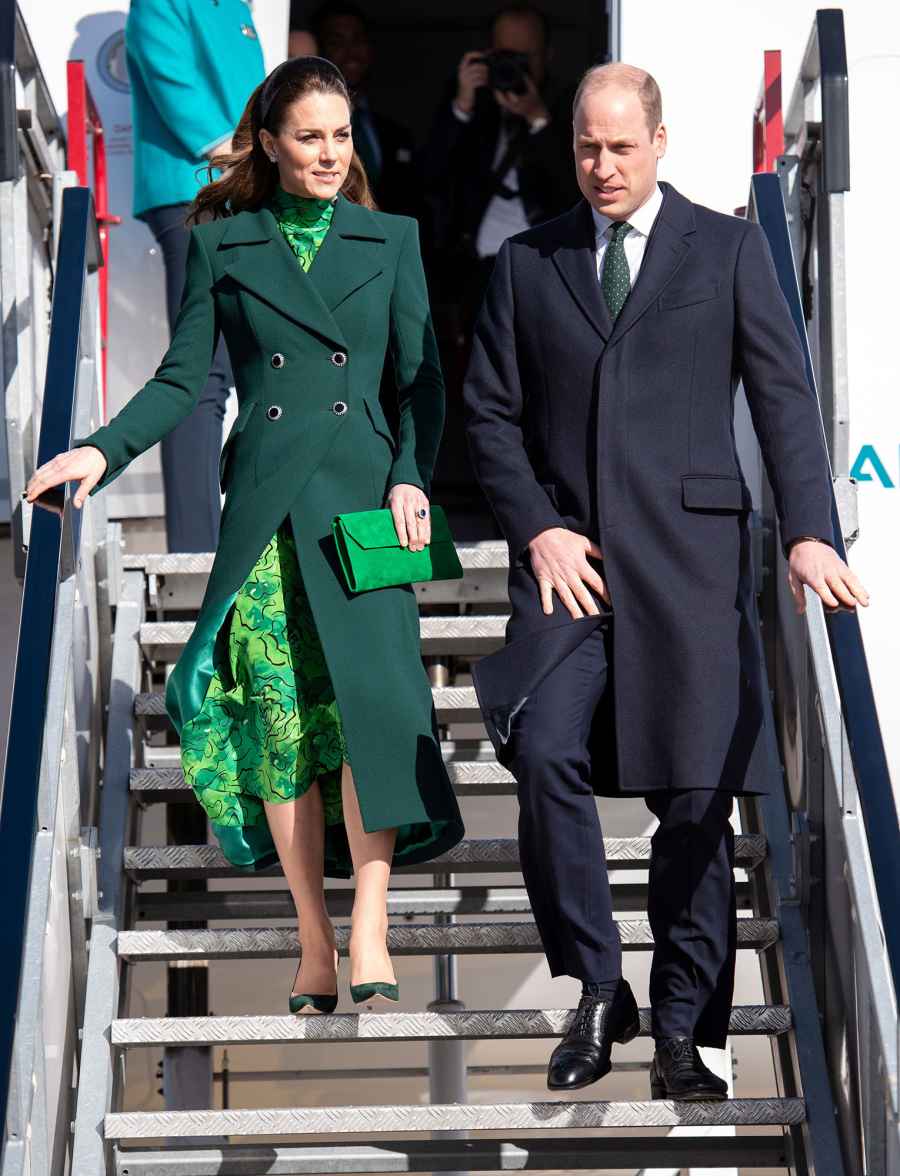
[{"x": 313, "y": 147}]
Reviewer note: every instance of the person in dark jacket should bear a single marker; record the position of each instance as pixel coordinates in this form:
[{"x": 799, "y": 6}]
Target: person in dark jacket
[
  {"x": 498, "y": 160},
  {"x": 385, "y": 147},
  {"x": 600, "y": 402}
]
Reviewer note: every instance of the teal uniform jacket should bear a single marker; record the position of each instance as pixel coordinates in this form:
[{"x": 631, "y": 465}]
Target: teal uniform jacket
[
  {"x": 192, "y": 65},
  {"x": 313, "y": 345}
]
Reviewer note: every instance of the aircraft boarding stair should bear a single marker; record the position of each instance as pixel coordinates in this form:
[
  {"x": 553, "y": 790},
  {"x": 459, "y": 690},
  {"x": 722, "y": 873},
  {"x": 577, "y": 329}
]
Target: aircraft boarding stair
[{"x": 132, "y": 904}]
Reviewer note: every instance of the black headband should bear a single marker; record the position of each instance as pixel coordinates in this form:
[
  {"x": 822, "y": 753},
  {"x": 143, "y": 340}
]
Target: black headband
[{"x": 293, "y": 70}]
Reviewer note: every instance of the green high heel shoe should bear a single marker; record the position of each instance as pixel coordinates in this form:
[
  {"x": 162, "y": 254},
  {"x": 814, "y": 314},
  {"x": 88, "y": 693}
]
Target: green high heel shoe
[
  {"x": 313, "y": 1002},
  {"x": 363, "y": 992},
  {"x": 299, "y": 1001}
]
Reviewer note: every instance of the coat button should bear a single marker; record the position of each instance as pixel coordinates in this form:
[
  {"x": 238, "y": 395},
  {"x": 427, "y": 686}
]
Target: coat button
[
  {"x": 274, "y": 411},
  {"x": 339, "y": 408},
  {"x": 277, "y": 360},
  {"x": 339, "y": 358}
]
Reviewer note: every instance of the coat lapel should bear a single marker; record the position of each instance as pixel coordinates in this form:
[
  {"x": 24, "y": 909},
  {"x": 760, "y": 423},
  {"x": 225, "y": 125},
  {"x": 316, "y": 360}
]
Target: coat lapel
[
  {"x": 667, "y": 247},
  {"x": 257, "y": 256},
  {"x": 351, "y": 255},
  {"x": 576, "y": 259}
]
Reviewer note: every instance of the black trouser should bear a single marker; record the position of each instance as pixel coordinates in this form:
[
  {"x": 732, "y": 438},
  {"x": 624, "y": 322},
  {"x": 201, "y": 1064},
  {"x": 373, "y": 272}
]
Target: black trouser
[
  {"x": 692, "y": 896},
  {"x": 190, "y": 453}
]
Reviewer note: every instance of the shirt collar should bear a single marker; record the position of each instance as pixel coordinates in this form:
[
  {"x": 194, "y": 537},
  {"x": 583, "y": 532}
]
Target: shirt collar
[{"x": 641, "y": 219}]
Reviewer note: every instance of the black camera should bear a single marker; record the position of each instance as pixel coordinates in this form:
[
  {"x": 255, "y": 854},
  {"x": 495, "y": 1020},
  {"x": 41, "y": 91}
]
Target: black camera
[{"x": 507, "y": 70}]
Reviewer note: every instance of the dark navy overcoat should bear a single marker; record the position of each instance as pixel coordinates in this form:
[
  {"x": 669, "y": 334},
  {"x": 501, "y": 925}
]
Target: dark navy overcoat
[{"x": 625, "y": 433}]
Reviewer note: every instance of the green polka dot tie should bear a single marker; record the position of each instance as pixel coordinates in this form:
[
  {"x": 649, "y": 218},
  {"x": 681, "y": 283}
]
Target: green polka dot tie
[{"x": 616, "y": 279}]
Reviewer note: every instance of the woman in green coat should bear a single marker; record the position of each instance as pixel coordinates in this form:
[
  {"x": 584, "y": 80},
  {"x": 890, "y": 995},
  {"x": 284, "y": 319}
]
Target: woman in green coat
[{"x": 287, "y": 679}]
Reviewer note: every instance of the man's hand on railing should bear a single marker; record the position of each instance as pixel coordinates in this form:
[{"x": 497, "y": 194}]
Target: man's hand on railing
[
  {"x": 819, "y": 566},
  {"x": 84, "y": 465}
]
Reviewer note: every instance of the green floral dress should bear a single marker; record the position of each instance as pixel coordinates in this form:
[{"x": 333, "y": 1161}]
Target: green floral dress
[{"x": 277, "y": 729}]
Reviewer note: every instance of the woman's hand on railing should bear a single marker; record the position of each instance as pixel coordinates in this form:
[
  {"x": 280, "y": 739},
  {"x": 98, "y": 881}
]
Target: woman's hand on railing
[
  {"x": 412, "y": 518},
  {"x": 85, "y": 465},
  {"x": 819, "y": 566}
]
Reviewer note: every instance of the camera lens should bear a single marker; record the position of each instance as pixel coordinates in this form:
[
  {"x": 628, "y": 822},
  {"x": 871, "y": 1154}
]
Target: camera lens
[{"x": 508, "y": 71}]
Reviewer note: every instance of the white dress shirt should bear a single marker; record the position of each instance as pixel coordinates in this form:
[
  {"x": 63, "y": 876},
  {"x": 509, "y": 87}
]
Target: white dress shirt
[
  {"x": 641, "y": 221},
  {"x": 503, "y": 217}
]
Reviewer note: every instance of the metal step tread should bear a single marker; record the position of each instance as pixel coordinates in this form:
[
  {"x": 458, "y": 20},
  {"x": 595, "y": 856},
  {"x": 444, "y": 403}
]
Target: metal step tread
[
  {"x": 526, "y": 1153},
  {"x": 468, "y": 777},
  {"x": 469, "y": 1025},
  {"x": 405, "y": 939},
  {"x": 457, "y": 704},
  {"x": 472, "y": 634},
  {"x": 234, "y": 905},
  {"x": 368, "y": 1120},
  {"x": 473, "y": 855},
  {"x": 488, "y": 556},
  {"x": 244, "y": 906}
]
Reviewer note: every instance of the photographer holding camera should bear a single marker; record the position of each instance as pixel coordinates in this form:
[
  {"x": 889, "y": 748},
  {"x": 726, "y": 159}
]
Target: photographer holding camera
[{"x": 498, "y": 160}]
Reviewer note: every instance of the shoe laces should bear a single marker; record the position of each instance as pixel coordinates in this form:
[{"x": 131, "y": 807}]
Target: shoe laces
[
  {"x": 590, "y": 1010},
  {"x": 683, "y": 1053}
]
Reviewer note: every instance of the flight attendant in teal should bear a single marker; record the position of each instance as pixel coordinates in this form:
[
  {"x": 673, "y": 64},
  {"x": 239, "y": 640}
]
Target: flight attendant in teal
[
  {"x": 306, "y": 718},
  {"x": 191, "y": 65}
]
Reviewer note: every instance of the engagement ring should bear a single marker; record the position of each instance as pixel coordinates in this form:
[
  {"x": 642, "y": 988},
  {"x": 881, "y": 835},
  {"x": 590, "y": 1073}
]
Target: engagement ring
[{"x": 422, "y": 512}]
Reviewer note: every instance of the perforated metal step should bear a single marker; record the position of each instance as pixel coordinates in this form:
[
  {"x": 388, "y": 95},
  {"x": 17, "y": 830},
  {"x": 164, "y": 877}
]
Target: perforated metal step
[
  {"x": 163, "y": 641},
  {"x": 763, "y": 1149},
  {"x": 242, "y": 906},
  {"x": 453, "y": 704},
  {"x": 471, "y": 1025},
  {"x": 371, "y": 1120},
  {"x": 483, "y": 855},
  {"x": 416, "y": 939},
  {"x": 474, "y": 557},
  {"x": 469, "y": 778},
  {"x": 234, "y": 905}
]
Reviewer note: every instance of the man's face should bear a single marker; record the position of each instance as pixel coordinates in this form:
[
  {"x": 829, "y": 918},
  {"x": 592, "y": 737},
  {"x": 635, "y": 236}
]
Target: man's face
[
  {"x": 523, "y": 34},
  {"x": 344, "y": 41},
  {"x": 615, "y": 155},
  {"x": 301, "y": 43}
]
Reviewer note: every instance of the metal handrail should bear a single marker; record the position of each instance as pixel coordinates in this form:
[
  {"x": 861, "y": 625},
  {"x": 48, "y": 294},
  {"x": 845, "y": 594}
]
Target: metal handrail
[
  {"x": 844, "y": 633},
  {"x": 845, "y": 636},
  {"x": 842, "y": 698},
  {"x": 825, "y": 62},
  {"x": 768, "y": 119},
  {"x": 84, "y": 120},
  {"x": 53, "y": 552},
  {"x": 9, "y": 155}
]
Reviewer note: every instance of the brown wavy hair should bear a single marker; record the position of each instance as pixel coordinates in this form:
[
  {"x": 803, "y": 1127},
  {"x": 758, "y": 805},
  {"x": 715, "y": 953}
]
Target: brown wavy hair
[{"x": 248, "y": 177}]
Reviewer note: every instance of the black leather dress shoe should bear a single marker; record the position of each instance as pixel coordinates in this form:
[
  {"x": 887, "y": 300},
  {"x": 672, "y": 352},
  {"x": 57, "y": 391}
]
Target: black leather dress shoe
[
  {"x": 679, "y": 1072},
  {"x": 583, "y": 1055}
]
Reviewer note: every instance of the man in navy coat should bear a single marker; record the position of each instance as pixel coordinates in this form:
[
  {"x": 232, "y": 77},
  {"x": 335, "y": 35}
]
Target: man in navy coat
[{"x": 599, "y": 405}]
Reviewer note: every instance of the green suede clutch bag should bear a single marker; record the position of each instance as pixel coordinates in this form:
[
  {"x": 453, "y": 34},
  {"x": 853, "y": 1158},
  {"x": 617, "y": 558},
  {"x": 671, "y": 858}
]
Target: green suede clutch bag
[{"x": 371, "y": 555}]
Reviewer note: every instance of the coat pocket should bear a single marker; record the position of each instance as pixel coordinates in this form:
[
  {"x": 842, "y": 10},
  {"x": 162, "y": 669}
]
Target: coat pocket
[
  {"x": 714, "y": 492},
  {"x": 688, "y": 295},
  {"x": 244, "y": 414}
]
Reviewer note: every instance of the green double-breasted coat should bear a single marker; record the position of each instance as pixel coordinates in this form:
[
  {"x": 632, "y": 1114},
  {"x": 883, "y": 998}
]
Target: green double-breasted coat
[{"x": 311, "y": 440}]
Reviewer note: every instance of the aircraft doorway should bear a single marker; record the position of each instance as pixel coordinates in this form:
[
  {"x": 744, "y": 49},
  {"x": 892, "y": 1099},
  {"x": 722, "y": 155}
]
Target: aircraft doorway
[{"x": 472, "y": 169}]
